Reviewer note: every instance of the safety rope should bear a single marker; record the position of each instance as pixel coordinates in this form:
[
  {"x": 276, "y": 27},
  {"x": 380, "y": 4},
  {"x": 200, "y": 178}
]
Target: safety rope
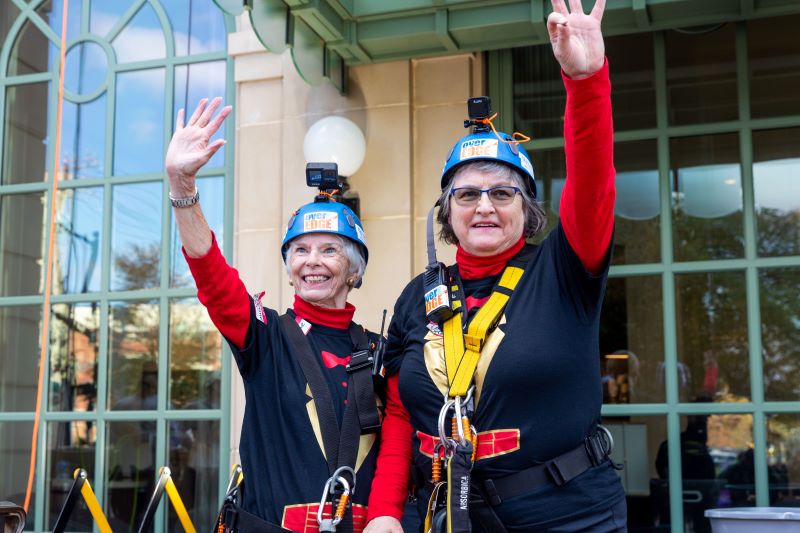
[{"x": 49, "y": 268}]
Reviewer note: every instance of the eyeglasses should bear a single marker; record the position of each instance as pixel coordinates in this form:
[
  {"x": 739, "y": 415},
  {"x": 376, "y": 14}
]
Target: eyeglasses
[{"x": 469, "y": 196}]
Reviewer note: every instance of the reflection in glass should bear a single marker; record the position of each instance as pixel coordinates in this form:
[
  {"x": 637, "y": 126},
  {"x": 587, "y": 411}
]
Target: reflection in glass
[
  {"x": 29, "y": 54},
  {"x": 8, "y": 15},
  {"x": 86, "y": 66},
  {"x": 633, "y": 80},
  {"x": 539, "y": 96},
  {"x": 550, "y": 168},
  {"x": 70, "y": 445},
  {"x": 638, "y": 207},
  {"x": 194, "y": 461},
  {"x": 783, "y": 459},
  {"x": 706, "y": 181},
  {"x": 204, "y": 20},
  {"x": 716, "y": 465},
  {"x": 636, "y": 440},
  {"x": 195, "y": 348},
  {"x": 776, "y": 184},
  {"x": 701, "y": 74},
  {"x": 139, "y": 122},
  {"x": 131, "y": 471},
  {"x": 711, "y": 320},
  {"x": 632, "y": 341},
  {"x": 15, "y": 455},
  {"x": 212, "y": 193},
  {"x": 25, "y": 141},
  {"x": 141, "y": 39},
  {"x": 774, "y": 61},
  {"x": 136, "y": 236},
  {"x": 73, "y": 356},
  {"x": 196, "y": 81},
  {"x": 79, "y": 227},
  {"x": 20, "y": 334},
  {"x": 83, "y": 142},
  {"x": 21, "y": 242},
  {"x": 133, "y": 355},
  {"x": 104, "y": 15},
  {"x": 780, "y": 332}
]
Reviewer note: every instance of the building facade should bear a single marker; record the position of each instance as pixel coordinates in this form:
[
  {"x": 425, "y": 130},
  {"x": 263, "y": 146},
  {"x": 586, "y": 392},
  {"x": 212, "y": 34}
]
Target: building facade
[{"x": 700, "y": 336}]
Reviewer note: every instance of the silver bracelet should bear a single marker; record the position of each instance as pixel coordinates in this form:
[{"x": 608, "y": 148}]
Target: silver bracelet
[{"x": 186, "y": 201}]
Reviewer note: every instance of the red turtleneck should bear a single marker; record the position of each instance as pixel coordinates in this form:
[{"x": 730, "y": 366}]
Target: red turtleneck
[
  {"x": 326, "y": 316},
  {"x": 477, "y": 266}
]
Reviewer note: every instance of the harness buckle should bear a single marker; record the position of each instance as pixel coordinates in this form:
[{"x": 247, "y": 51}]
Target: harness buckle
[
  {"x": 359, "y": 360},
  {"x": 555, "y": 473},
  {"x": 473, "y": 343}
]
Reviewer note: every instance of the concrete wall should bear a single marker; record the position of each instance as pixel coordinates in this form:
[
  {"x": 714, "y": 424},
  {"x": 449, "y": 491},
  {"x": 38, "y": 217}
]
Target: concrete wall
[{"x": 411, "y": 113}]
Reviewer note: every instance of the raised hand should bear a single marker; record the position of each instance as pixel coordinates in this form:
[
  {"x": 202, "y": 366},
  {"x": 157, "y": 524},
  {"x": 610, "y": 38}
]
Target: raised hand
[
  {"x": 576, "y": 37},
  {"x": 189, "y": 149}
]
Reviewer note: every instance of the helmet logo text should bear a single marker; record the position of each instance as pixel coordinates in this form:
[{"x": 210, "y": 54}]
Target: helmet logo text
[
  {"x": 478, "y": 148},
  {"x": 320, "y": 221}
]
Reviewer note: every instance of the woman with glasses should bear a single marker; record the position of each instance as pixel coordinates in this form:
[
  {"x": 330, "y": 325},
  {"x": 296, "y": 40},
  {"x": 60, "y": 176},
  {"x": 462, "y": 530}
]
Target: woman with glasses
[{"x": 495, "y": 399}]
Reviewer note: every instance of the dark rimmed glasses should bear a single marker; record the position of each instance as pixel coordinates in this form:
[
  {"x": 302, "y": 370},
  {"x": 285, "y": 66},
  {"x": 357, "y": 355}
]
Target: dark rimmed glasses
[{"x": 470, "y": 196}]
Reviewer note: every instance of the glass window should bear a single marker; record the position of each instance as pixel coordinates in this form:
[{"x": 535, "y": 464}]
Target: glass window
[
  {"x": 776, "y": 184},
  {"x": 73, "y": 356},
  {"x": 136, "y": 236},
  {"x": 632, "y": 80},
  {"x": 29, "y": 54},
  {"x": 86, "y": 68},
  {"x": 706, "y": 184},
  {"x": 70, "y": 445},
  {"x": 637, "y": 444},
  {"x": 139, "y": 122},
  {"x": 637, "y": 224},
  {"x": 83, "y": 145},
  {"x": 130, "y": 471},
  {"x": 20, "y": 337},
  {"x": 8, "y": 13},
  {"x": 711, "y": 320},
  {"x": 206, "y": 27},
  {"x": 193, "y": 460},
  {"x": 212, "y": 196},
  {"x": 780, "y": 333},
  {"x": 632, "y": 341},
  {"x": 25, "y": 142},
  {"x": 15, "y": 456},
  {"x": 21, "y": 242},
  {"x": 539, "y": 96},
  {"x": 141, "y": 39},
  {"x": 783, "y": 459},
  {"x": 774, "y": 58},
  {"x": 551, "y": 168},
  {"x": 79, "y": 226},
  {"x": 701, "y": 74},
  {"x": 133, "y": 355},
  {"x": 195, "y": 348}
]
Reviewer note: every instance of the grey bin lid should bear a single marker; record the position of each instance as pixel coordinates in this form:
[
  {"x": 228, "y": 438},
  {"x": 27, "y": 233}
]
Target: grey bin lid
[{"x": 755, "y": 513}]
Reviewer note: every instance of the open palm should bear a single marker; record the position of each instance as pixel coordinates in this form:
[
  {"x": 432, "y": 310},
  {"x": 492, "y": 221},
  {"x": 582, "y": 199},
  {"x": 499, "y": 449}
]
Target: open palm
[
  {"x": 189, "y": 149},
  {"x": 576, "y": 37}
]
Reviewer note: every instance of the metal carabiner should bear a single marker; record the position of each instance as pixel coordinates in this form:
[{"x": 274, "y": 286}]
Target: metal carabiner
[
  {"x": 329, "y": 524},
  {"x": 442, "y": 417},
  {"x": 459, "y": 414}
]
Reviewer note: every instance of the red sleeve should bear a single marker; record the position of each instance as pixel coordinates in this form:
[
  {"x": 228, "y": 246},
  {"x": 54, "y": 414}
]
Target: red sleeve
[
  {"x": 220, "y": 289},
  {"x": 587, "y": 203},
  {"x": 390, "y": 484}
]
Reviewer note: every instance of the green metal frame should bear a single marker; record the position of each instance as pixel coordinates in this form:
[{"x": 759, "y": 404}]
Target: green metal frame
[
  {"x": 162, "y": 295},
  {"x": 501, "y": 90}
]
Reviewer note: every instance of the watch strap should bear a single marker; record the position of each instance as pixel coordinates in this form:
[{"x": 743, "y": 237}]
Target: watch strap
[{"x": 185, "y": 201}]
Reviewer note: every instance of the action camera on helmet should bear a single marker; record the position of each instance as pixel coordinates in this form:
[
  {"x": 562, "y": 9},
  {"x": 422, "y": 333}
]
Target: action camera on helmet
[
  {"x": 323, "y": 176},
  {"x": 479, "y": 109}
]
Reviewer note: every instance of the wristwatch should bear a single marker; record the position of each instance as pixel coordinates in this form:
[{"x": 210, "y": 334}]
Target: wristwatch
[{"x": 185, "y": 202}]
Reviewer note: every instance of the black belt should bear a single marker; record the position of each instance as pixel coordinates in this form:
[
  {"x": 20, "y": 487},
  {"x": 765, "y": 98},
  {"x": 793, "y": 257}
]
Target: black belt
[{"x": 559, "y": 471}]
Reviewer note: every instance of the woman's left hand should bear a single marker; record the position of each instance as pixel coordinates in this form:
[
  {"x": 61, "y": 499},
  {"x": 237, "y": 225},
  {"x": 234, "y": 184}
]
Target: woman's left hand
[{"x": 576, "y": 38}]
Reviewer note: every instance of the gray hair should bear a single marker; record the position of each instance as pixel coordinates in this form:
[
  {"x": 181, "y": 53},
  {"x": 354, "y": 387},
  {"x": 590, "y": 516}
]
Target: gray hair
[
  {"x": 535, "y": 217},
  {"x": 356, "y": 264}
]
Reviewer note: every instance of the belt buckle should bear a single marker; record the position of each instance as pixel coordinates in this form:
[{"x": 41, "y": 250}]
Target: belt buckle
[{"x": 555, "y": 473}]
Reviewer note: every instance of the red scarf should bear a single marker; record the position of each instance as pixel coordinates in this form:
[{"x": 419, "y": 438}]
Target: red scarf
[
  {"x": 481, "y": 266},
  {"x": 326, "y": 316}
]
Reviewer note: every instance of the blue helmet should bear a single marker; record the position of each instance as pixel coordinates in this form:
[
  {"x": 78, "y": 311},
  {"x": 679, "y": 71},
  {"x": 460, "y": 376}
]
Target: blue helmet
[
  {"x": 325, "y": 216},
  {"x": 485, "y": 146}
]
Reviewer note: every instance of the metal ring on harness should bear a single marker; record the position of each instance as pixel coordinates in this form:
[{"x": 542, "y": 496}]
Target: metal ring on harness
[
  {"x": 442, "y": 415},
  {"x": 329, "y": 490},
  {"x": 609, "y": 438},
  {"x": 462, "y": 439}
]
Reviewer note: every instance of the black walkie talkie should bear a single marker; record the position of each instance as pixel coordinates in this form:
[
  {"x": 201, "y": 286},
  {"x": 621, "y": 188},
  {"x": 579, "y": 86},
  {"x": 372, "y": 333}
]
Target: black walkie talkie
[{"x": 436, "y": 282}]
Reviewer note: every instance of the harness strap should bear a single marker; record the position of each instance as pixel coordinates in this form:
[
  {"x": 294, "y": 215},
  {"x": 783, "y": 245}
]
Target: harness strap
[
  {"x": 235, "y": 519},
  {"x": 360, "y": 372}
]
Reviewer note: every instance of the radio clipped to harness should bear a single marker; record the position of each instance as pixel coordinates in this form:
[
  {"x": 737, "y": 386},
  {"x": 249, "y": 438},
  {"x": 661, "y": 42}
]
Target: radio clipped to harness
[{"x": 438, "y": 306}]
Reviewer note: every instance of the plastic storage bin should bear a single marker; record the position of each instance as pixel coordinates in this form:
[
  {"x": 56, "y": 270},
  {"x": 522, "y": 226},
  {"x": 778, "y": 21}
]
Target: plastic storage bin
[{"x": 754, "y": 519}]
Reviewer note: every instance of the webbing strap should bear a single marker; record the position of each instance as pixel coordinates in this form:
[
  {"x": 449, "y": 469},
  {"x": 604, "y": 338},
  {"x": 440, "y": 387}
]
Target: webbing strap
[{"x": 462, "y": 350}]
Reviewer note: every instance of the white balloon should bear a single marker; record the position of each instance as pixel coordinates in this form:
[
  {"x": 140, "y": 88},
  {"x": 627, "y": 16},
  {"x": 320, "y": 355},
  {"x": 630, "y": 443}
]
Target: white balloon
[{"x": 336, "y": 139}]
